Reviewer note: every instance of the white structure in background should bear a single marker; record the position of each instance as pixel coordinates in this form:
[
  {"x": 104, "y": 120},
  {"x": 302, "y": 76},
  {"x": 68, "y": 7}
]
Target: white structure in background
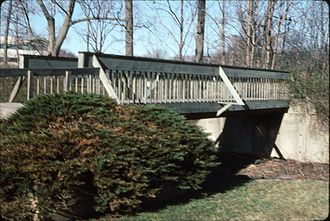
[{"x": 17, "y": 47}]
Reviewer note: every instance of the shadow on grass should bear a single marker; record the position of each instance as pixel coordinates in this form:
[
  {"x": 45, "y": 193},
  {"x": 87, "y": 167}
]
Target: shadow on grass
[{"x": 223, "y": 178}]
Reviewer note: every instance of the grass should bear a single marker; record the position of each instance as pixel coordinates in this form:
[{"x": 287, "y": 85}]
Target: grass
[{"x": 255, "y": 200}]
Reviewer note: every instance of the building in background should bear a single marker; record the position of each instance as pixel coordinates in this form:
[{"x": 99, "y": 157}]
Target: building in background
[{"x": 17, "y": 47}]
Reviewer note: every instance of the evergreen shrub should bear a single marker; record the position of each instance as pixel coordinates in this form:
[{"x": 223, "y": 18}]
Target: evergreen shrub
[{"x": 80, "y": 154}]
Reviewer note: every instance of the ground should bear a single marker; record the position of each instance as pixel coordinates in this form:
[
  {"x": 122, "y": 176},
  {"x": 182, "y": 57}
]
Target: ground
[
  {"x": 286, "y": 169},
  {"x": 247, "y": 188}
]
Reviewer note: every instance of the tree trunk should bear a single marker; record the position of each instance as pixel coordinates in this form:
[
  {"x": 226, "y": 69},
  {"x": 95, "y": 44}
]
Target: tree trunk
[
  {"x": 64, "y": 29},
  {"x": 55, "y": 43},
  {"x": 129, "y": 27},
  {"x": 286, "y": 27},
  {"x": 50, "y": 26},
  {"x": 324, "y": 40},
  {"x": 181, "y": 30},
  {"x": 88, "y": 34},
  {"x": 278, "y": 33},
  {"x": 5, "y": 40},
  {"x": 248, "y": 28},
  {"x": 17, "y": 41},
  {"x": 254, "y": 33},
  {"x": 27, "y": 19},
  {"x": 222, "y": 34},
  {"x": 267, "y": 34},
  {"x": 200, "y": 31}
]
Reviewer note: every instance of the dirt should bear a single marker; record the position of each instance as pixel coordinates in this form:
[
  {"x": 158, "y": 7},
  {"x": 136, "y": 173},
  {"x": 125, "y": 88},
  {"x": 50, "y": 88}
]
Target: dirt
[{"x": 285, "y": 169}]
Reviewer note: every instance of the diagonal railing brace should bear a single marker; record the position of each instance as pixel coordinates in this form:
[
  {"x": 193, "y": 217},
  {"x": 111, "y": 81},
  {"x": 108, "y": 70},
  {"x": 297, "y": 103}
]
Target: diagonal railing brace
[
  {"x": 232, "y": 91},
  {"x": 104, "y": 79}
]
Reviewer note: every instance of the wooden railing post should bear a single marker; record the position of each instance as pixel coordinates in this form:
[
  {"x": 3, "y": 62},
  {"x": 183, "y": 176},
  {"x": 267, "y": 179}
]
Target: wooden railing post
[
  {"x": 67, "y": 81},
  {"x": 89, "y": 83},
  {"x": 29, "y": 85}
]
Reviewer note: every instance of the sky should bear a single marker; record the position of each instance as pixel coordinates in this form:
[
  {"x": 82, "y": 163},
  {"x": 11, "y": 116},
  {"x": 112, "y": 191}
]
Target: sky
[
  {"x": 144, "y": 40},
  {"x": 162, "y": 33}
]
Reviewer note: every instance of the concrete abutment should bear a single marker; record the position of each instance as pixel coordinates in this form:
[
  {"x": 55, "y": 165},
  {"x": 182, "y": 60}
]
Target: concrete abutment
[{"x": 298, "y": 134}]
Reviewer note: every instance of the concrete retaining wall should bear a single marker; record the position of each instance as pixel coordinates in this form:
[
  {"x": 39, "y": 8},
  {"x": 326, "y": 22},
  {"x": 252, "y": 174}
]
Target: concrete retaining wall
[
  {"x": 302, "y": 136},
  {"x": 246, "y": 134},
  {"x": 298, "y": 134}
]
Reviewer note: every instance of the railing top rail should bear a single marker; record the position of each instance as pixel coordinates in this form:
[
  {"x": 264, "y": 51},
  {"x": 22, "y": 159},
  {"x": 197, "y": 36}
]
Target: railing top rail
[
  {"x": 11, "y": 72},
  {"x": 42, "y": 57},
  {"x": 128, "y": 63},
  {"x": 254, "y": 73},
  {"x": 136, "y": 58},
  {"x": 47, "y": 71},
  {"x": 39, "y": 61}
]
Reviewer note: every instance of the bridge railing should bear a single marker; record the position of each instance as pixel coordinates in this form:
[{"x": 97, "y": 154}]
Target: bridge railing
[
  {"x": 143, "y": 80},
  {"x": 160, "y": 87},
  {"x": 23, "y": 84}
]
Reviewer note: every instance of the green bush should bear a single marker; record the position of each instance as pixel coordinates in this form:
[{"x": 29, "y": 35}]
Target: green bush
[
  {"x": 76, "y": 153},
  {"x": 312, "y": 87}
]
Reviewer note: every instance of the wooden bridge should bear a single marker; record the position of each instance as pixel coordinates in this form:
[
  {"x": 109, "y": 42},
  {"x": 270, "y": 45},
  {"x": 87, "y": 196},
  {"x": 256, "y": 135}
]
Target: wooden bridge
[{"x": 189, "y": 88}]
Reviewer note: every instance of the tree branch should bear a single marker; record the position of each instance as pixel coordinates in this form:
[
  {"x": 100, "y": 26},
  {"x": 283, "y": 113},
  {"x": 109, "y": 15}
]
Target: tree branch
[
  {"x": 44, "y": 10},
  {"x": 73, "y": 22}
]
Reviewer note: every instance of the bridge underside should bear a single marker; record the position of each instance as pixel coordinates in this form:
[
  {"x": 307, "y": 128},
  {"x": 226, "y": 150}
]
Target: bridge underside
[{"x": 200, "y": 110}]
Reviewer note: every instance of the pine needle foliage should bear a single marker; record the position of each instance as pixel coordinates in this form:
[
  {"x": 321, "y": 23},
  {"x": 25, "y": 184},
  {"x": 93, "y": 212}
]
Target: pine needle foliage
[{"x": 65, "y": 150}]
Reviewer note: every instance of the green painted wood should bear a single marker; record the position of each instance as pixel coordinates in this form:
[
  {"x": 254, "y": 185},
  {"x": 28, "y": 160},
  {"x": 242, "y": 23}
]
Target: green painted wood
[
  {"x": 213, "y": 107},
  {"x": 127, "y": 63},
  {"x": 48, "y": 71},
  {"x": 253, "y": 73},
  {"x": 37, "y": 61},
  {"x": 12, "y": 72},
  {"x": 149, "y": 66},
  {"x": 42, "y": 66}
]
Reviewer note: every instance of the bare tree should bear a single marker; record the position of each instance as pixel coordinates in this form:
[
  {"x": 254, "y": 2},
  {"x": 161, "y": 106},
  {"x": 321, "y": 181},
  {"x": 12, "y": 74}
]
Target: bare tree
[
  {"x": 23, "y": 6},
  {"x": 129, "y": 27},
  {"x": 251, "y": 24},
  {"x": 66, "y": 9},
  {"x": 249, "y": 34},
  {"x": 222, "y": 32},
  {"x": 200, "y": 31},
  {"x": 324, "y": 22},
  {"x": 156, "y": 53},
  {"x": 181, "y": 29},
  {"x": 254, "y": 34},
  {"x": 5, "y": 41},
  {"x": 55, "y": 42},
  {"x": 100, "y": 24},
  {"x": 219, "y": 20},
  {"x": 241, "y": 43},
  {"x": 181, "y": 21},
  {"x": 281, "y": 18},
  {"x": 18, "y": 29},
  {"x": 267, "y": 44}
]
